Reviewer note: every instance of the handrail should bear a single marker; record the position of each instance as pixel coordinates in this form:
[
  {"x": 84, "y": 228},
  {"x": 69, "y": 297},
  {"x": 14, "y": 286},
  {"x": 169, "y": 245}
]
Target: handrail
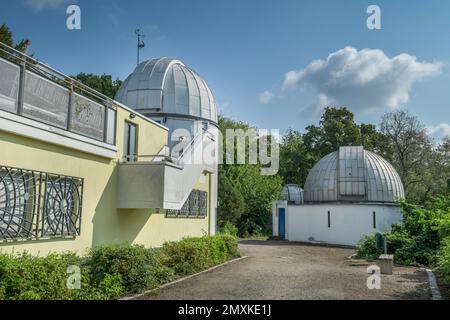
[
  {"x": 188, "y": 147},
  {"x": 176, "y": 160},
  {"x": 74, "y": 87}
]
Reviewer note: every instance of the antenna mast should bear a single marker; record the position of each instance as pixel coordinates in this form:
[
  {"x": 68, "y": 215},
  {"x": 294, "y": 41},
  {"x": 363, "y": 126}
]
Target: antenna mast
[{"x": 140, "y": 44}]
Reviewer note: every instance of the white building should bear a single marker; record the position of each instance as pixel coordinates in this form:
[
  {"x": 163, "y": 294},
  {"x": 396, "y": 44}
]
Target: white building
[
  {"x": 348, "y": 194},
  {"x": 170, "y": 93}
]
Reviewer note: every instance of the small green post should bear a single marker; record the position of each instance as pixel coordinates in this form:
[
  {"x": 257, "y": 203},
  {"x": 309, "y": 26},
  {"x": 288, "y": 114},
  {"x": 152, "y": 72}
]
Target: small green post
[{"x": 381, "y": 243}]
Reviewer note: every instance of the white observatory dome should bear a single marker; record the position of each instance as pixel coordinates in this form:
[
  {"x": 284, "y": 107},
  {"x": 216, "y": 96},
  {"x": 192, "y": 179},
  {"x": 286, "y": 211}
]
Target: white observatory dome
[
  {"x": 166, "y": 88},
  {"x": 353, "y": 174}
]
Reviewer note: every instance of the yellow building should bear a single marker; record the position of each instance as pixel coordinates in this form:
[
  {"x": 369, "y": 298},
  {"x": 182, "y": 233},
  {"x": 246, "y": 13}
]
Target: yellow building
[{"x": 79, "y": 170}]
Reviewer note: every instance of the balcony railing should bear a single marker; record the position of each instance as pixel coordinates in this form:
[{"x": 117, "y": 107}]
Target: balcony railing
[{"x": 34, "y": 90}]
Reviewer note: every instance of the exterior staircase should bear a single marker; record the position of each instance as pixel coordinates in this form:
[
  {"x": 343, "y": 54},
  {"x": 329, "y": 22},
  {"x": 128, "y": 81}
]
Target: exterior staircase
[{"x": 164, "y": 182}]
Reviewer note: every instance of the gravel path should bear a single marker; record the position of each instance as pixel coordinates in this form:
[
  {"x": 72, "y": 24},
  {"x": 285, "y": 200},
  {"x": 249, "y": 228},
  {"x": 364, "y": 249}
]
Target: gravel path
[{"x": 280, "y": 270}]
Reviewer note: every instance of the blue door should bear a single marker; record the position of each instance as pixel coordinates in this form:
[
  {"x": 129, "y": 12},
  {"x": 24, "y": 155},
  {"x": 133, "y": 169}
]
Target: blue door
[{"x": 282, "y": 223}]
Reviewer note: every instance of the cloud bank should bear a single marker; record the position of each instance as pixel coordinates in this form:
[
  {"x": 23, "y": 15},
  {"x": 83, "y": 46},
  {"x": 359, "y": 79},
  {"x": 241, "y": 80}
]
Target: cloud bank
[{"x": 362, "y": 80}]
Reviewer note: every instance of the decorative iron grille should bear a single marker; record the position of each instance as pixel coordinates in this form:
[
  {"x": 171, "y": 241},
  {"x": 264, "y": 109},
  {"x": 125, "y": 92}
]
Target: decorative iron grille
[
  {"x": 193, "y": 203},
  {"x": 196, "y": 206},
  {"x": 203, "y": 204},
  {"x": 35, "y": 205}
]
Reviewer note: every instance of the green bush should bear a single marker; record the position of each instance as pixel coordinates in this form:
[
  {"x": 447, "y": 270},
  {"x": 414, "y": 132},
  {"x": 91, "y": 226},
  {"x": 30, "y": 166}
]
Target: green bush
[
  {"x": 367, "y": 248},
  {"x": 109, "y": 271},
  {"x": 417, "y": 240},
  {"x": 138, "y": 267},
  {"x": 192, "y": 255},
  {"x": 444, "y": 258},
  {"x": 35, "y": 278},
  {"x": 229, "y": 229}
]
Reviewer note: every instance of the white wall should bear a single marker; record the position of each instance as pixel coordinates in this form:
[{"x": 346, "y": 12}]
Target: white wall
[{"x": 349, "y": 223}]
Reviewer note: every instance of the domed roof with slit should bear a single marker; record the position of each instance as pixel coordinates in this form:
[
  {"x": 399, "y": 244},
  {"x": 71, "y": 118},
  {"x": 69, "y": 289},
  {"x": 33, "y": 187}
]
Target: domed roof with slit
[
  {"x": 353, "y": 174},
  {"x": 164, "y": 87}
]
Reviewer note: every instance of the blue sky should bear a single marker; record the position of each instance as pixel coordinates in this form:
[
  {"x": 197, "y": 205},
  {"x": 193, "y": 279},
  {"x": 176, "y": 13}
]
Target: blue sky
[{"x": 244, "y": 48}]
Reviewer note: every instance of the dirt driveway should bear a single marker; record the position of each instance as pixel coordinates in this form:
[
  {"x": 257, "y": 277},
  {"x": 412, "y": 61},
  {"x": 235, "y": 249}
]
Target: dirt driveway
[{"x": 280, "y": 270}]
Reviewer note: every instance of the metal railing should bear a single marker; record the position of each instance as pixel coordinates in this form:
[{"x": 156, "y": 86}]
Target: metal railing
[
  {"x": 170, "y": 158},
  {"x": 39, "y": 205},
  {"x": 34, "y": 90}
]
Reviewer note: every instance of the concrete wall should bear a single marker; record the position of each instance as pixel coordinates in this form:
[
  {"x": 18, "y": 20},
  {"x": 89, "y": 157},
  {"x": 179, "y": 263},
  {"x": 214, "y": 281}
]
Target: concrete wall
[
  {"x": 349, "y": 223},
  {"x": 102, "y": 223}
]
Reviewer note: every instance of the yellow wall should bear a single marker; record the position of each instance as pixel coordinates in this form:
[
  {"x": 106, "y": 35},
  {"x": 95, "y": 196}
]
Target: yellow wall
[
  {"x": 102, "y": 223},
  {"x": 159, "y": 228}
]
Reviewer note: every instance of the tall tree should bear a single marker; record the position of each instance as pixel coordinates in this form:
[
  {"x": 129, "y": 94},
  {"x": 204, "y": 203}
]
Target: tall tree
[
  {"x": 375, "y": 141},
  {"x": 6, "y": 37},
  {"x": 231, "y": 202},
  {"x": 295, "y": 160},
  {"x": 244, "y": 182},
  {"x": 444, "y": 163},
  {"x": 413, "y": 156},
  {"x": 336, "y": 128}
]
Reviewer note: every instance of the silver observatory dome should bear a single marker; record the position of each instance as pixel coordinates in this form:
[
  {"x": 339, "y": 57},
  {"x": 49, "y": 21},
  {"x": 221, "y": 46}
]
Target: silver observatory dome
[
  {"x": 292, "y": 193},
  {"x": 353, "y": 174},
  {"x": 165, "y": 88}
]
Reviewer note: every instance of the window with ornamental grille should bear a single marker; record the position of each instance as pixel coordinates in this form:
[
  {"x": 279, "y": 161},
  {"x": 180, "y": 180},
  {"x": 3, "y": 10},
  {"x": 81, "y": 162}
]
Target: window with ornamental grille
[
  {"x": 203, "y": 199},
  {"x": 184, "y": 212},
  {"x": 194, "y": 203},
  {"x": 35, "y": 205},
  {"x": 196, "y": 206}
]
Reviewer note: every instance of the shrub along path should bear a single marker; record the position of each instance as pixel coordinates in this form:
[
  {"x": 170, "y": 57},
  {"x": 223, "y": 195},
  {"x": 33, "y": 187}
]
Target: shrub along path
[{"x": 279, "y": 270}]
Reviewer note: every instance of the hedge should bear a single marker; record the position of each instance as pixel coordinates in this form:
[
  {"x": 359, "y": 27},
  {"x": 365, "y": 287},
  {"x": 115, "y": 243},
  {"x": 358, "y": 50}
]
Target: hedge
[
  {"x": 444, "y": 259},
  {"x": 191, "y": 255},
  {"x": 421, "y": 239},
  {"x": 108, "y": 272}
]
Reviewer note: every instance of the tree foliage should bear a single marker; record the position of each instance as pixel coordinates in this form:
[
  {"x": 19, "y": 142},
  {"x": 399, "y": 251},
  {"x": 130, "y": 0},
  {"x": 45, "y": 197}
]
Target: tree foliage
[
  {"x": 231, "y": 201},
  {"x": 295, "y": 160},
  {"x": 6, "y": 37},
  {"x": 423, "y": 168},
  {"x": 103, "y": 84},
  {"x": 418, "y": 239},
  {"x": 337, "y": 127},
  {"x": 245, "y": 196},
  {"x": 401, "y": 139}
]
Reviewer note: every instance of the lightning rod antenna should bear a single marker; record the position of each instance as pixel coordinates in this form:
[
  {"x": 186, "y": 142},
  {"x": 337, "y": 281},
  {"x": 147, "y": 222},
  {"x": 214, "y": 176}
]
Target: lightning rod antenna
[{"x": 140, "y": 43}]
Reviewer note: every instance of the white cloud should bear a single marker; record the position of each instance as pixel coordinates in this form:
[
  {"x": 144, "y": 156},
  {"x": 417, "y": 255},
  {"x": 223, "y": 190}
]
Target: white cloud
[
  {"x": 439, "y": 132},
  {"x": 265, "y": 97},
  {"x": 362, "y": 80},
  {"x": 39, "y": 5}
]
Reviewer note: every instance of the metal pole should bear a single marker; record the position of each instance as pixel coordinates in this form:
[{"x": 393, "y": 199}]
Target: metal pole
[
  {"x": 140, "y": 44},
  {"x": 69, "y": 112},
  {"x": 22, "y": 77},
  {"x": 138, "y": 49}
]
